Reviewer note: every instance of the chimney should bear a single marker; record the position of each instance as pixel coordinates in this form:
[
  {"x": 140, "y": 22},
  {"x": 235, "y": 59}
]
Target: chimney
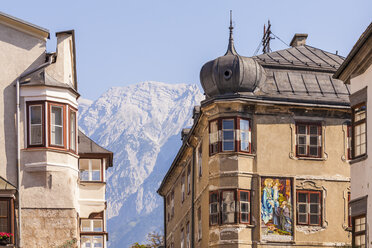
[
  {"x": 184, "y": 133},
  {"x": 298, "y": 40}
]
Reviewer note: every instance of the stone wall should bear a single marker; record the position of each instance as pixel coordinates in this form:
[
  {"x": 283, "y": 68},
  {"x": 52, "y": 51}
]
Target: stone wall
[{"x": 49, "y": 228}]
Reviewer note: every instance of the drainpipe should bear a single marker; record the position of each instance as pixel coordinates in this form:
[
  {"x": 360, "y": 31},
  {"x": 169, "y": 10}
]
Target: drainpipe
[{"x": 24, "y": 74}]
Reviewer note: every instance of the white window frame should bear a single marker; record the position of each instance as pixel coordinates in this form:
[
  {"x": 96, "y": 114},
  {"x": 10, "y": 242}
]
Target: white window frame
[
  {"x": 90, "y": 170},
  {"x": 72, "y": 130},
  {"x": 55, "y": 125},
  {"x": 91, "y": 239},
  {"x": 30, "y": 106},
  {"x": 91, "y": 224}
]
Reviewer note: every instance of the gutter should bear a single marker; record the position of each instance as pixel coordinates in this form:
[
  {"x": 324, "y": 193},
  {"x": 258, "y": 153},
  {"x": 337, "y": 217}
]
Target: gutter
[{"x": 24, "y": 74}]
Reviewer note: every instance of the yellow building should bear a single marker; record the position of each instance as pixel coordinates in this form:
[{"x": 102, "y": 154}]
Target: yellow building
[
  {"x": 265, "y": 163},
  {"x": 52, "y": 178}
]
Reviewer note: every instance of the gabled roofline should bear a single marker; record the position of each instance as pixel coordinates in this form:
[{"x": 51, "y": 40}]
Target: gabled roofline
[
  {"x": 72, "y": 32},
  {"x": 24, "y": 26},
  {"x": 358, "y": 45}
]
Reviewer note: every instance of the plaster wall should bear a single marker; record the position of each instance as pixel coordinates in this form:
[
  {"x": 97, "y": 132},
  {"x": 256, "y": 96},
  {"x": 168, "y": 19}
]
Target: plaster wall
[{"x": 19, "y": 52}]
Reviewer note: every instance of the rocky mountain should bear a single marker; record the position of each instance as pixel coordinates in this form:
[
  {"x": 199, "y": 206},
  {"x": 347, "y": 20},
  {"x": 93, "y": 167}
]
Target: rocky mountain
[{"x": 141, "y": 124}]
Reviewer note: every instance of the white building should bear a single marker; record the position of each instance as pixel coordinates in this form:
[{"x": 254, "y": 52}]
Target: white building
[
  {"x": 52, "y": 190},
  {"x": 357, "y": 71}
]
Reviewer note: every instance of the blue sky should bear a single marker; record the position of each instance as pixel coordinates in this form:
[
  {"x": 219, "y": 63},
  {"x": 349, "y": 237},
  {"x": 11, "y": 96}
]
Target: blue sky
[{"x": 126, "y": 42}]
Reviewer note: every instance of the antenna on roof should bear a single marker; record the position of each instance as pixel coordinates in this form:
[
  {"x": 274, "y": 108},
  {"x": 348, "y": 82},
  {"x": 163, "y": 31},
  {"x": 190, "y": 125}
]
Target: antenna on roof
[{"x": 266, "y": 38}]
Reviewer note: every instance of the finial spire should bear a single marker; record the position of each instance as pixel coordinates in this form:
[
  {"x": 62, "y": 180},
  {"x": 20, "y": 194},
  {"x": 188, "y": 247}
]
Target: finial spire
[{"x": 231, "y": 48}]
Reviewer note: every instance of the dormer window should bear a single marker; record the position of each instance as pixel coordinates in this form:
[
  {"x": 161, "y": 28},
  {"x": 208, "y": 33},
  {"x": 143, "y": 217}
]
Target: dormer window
[{"x": 229, "y": 134}]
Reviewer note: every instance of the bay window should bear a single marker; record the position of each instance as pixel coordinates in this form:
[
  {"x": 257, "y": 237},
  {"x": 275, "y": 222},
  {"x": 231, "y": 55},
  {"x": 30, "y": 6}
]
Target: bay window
[
  {"x": 308, "y": 140},
  {"x": 60, "y": 118},
  {"x": 359, "y": 140},
  {"x": 229, "y": 134},
  {"x": 309, "y": 208},
  {"x": 92, "y": 231},
  {"x": 228, "y": 206},
  {"x": 90, "y": 169},
  {"x": 231, "y": 211}
]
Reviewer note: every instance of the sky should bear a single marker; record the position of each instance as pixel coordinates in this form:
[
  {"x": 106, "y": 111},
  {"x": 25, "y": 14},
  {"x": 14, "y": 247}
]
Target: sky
[{"x": 126, "y": 42}]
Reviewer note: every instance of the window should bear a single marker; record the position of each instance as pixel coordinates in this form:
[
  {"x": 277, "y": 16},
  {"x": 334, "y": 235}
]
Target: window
[
  {"x": 168, "y": 207},
  {"x": 213, "y": 137},
  {"x": 213, "y": 208},
  {"x": 35, "y": 124},
  {"x": 182, "y": 238},
  {"x": 308, "y": 140},
  {"x": 172, "y": 204},
  {"x": 231, "y": 211},
  {"x": 244, "y": 198},
  {"x": 90, "y": 169},
  {"x": 183, "y": 187},
  {"x": 359, "y": 130},
  {"x": 188, "y": 179},
  {"x": 359, "y": 231},
  {"x": 348, "y": 142},
  {"x": 91, "y": 225},
  {"x": 228, "y": 206},
  {"x": 188, "y": 235},
  {"x": 309, "y": 208},
  {"x": 200, "y": 159},
  {"x": 229, "y": 134},
  {"x": 199, "y": 224},
  {"x": 90, "y": 241},
  {"x": 72, "y": 129},
  {"x": 245, "y": 135},
  {"x": 56, "y": 119}
]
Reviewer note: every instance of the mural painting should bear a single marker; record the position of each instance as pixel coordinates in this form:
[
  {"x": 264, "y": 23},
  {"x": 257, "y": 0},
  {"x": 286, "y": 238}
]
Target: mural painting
[{"x": 276, "y": 209}]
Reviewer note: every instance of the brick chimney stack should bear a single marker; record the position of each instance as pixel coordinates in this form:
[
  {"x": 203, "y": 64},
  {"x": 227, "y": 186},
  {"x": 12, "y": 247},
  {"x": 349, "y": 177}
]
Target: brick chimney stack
[{"x": 298, "y": 40}]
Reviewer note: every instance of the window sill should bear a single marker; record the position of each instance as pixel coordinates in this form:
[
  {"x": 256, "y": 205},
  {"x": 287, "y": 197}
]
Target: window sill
[
  {"x": 92, "y": 182},
  {"x": 244, "y": 154},
  {"x": 236, "y": 225},
  {"x": 359, "y": 159},
  {"x": 51, "y": 149},
  {"x": 310, "y": 158}
]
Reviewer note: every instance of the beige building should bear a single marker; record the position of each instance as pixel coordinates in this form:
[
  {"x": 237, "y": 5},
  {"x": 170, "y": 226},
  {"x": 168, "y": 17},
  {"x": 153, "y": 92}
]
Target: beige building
[
  {"x": 356, "y": 71},
  {"x": 52, "y": 176},
  {"x": 265, "y": 163}
]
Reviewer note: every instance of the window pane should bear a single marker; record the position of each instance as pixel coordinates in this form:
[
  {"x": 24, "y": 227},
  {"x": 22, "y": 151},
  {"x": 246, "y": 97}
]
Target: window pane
[
  {"x": 313, "y": 130},
  {"x": 98, "y": 241},
  {"x": 35, "y": 113},
  {"x": 85, "y": 226},
  {"x": 302, "y": 197},
  {"x": 314, "y": 219},
  {"x": 4, "y": 211},
  {"x": 56, "y": 125},
  {"x": 228, "y": 207},
  {"x": 302, "y": 208},
  {"x": 56, "y": 115},
  {"x": 97, "y": 226},
  {"x": 244, "y": 207},
  {"x": 213, "y": 208},
  {"x": 36, "y": 135},
  {"x": 228, "y": 135},
  {"x": 314, "y": 151},
  {"x": 314, "y": 198},
  {"x": 245, "y": 217},
  {"x": 314, "y": 140},
  {"x": 244, "y": 196},
  {"x": 314, "y": 208},
  {"x": 301, "y": 149},
  {"x": 302, "y": 218},
  {"x": 301, "y": 129},
  {"x": 228, "y": 146},
  {"x": 302, "y": 140},
  {"x": 73, "y": 130},
  {"x": 227, "y": 124},
  {"x": 84, "y": 175}
]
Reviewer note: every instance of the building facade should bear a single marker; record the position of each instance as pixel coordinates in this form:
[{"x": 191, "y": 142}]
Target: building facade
[
  {"x": 356, "y": 71},
  {"x": 265, "y": 163},
  {"x": 53, "y": 192}
]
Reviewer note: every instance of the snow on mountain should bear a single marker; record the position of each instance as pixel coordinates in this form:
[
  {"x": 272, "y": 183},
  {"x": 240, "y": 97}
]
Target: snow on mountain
[{"x": 141, "y": 124}]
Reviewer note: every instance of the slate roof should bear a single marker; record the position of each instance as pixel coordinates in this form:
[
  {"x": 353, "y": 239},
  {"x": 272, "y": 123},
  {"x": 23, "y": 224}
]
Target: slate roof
[
  {"x": 88, "y": 146},
  {"x": 302, "y": 74}
]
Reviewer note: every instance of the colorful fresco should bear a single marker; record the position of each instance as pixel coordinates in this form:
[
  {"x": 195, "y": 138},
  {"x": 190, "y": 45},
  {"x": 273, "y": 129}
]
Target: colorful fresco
[{"x": 276, "y": 209}]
